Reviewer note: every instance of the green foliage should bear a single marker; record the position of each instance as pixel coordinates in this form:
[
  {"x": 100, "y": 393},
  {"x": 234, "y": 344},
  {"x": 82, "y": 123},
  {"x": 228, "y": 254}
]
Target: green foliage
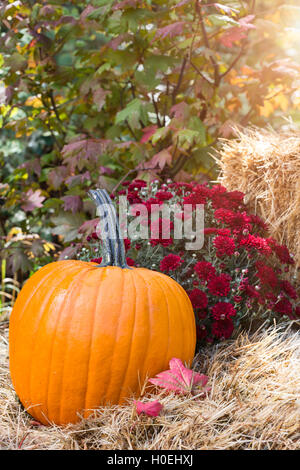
[{"x": 91, "y": 91}]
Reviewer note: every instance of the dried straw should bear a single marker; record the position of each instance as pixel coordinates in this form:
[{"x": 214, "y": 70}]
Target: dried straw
[
  {"x": 265, "y": 165},
  {"x": 253, "y": 404}
]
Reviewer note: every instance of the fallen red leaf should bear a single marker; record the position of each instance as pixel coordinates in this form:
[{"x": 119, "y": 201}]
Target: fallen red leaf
[
  {"x": 180, "y": 379},
  {"x": 152, "y": 408}
]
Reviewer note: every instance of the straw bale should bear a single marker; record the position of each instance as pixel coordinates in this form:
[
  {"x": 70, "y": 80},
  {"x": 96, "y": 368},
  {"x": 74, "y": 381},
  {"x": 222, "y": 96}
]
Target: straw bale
[
  {"x": 253, "y": 404},
  {"x": 265, "y": 165}
]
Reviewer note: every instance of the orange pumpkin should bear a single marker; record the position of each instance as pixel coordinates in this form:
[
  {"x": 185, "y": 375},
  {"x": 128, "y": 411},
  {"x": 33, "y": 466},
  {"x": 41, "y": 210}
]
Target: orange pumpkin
[{"x": 84, "y": 335}]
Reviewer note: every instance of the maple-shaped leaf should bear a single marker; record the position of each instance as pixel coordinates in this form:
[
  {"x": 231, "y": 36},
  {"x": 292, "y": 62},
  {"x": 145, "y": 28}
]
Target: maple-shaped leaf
[
  {"x": 172, "y": 30},
  {"x": 160, "y": 159},
  {"x": 148, "y": 133},
  {"x": 99, "y": 96},
  {"x": 237, "y": 32},
  {"x": 152, "y": 408},
  {"x": 180, "y": 110},
  {"x": 179, "y": 378},
  {"x": 72, "y": 203},
  {"x": 57, "y": 176},
  {"x": 32, "y": 200}
]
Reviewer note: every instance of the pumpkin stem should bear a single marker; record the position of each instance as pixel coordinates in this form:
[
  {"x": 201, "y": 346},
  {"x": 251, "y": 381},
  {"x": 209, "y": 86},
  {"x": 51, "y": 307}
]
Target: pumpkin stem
[{"x": 112, "y": 242}]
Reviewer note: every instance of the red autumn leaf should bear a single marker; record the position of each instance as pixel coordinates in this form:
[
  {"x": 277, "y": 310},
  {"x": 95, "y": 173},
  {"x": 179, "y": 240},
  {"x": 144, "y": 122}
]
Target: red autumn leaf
[
  {"x": 160, "y": 159},
  {"x": 237, "y": 32},
  {"x": 179, "y": 379},
  {"x": 72, "y": 203},
  {"x": 99, "y": 96},
  {"x": 152, "y": 408},
  {"x": 148, "y": 133},
  {"x": 32, "y": 200},
  {"x": 171, "y": 30}
]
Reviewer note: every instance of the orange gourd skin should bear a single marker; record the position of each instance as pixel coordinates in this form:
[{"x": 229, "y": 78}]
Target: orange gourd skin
[{"x": 83, "y": 336}]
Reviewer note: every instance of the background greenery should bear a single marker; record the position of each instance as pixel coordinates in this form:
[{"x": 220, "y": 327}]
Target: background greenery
[{"x": 93, "y": 92}]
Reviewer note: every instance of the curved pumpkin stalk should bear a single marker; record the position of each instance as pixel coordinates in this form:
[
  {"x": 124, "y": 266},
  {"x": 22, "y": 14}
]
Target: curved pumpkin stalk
[{"x": 112, "y": 242}]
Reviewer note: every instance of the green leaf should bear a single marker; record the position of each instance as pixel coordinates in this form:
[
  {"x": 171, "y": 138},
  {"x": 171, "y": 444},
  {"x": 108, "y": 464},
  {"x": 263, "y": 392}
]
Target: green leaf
[
  {"x": 134, "y": 111},
  {"x": 67, "y": 225}
]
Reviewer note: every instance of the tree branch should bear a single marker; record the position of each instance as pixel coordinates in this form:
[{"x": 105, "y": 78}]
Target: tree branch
[
  {"x": 206, "y": 43},
  {"x": 175, "y": 91}
]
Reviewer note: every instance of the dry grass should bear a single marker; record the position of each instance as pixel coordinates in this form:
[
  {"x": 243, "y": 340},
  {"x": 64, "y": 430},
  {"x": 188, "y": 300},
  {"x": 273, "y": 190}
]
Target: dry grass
[
  {"x": 254, "y": 403},
  {"x": 265, "y": 165}
]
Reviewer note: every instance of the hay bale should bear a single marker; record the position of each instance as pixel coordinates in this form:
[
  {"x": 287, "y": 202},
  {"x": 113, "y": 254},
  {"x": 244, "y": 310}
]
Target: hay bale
[
  {"x": 253, "y": 404},
  {"x": 265, "y": 165}
]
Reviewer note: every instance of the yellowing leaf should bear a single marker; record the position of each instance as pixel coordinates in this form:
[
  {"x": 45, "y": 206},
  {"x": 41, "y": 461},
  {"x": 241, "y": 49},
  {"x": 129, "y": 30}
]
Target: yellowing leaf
[
  {"x": 14, "y": 231},
  {"x": 281, "y": 101},
  {"x": 48, "y": 247},
  {"x": 34, "y": 101},
  {"x": 267, "y": 109}
]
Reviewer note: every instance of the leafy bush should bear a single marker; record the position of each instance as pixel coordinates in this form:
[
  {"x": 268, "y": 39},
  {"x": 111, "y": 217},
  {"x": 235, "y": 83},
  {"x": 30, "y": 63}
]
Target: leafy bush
[
  {"x": 92, "y": 91},
  {"x": 239, "y": 273}
]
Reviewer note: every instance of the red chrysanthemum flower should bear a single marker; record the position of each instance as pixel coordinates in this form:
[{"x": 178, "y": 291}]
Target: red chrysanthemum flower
[
  {"x": 284, "y": 307},
  {"x": 170, "y": 263},
  {"x": 281, "y": 252},
  {"x": 96, "y": 260},
  {"x": 198, "y": 298},
  {"x": 258, "y": 243},
  {"x": 219, "y": 285},
  {"x": 198, "y": 196},
  {"x": 127, "y": 244},
  {"x": 204, "y": 270},
  {"x": 221, "y": 198},
  {"x": 137, "y": 184},
  {"x": 235, "y": 220},
  {"x": 223, "y": 310},
  {"x": 266, "y": 275},
  {"x": 222, "y": 329},
  {"x": 225, "y": 246},
  {"x": 288, "y": 289},
  {"x": 130, "y": 261},
  {"x": 163, "y": 195}
]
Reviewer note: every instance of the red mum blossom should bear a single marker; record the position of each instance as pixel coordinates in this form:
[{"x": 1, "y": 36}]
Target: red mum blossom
[
  {"x": 170, "y": 263},
  {"x": 223, "y": 310},
  {"x": 235, "y": 220},
  {"x": 226, "y": 199},
  {"x": 127, "y": 243},
  {"x": 287, "y": 287},
  {"x": 134, "y": 198},
  {"x": 161, "y": 241},
  {"x": 281, "y": 252},
  {"x": 284, "y": 307},
  {"x": 205, "y": 270},
  {"x": 219, "y": 285},
  {"x": 96, "y": 260},
  {"x": 130, "y": 261},
  {"x": 198, "y": 298},
  {"x": 164, "y": 195},
  {"x": 137, "y": 184},
  {"x": 255, "y": 219},
  {"x": 266, "y": 275},
  {"x": 256, "y": 242},
  {"x": 222, "y": 329},
  {"x": 225, "y": 246},
  {"x": 198, "y": 196}
]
